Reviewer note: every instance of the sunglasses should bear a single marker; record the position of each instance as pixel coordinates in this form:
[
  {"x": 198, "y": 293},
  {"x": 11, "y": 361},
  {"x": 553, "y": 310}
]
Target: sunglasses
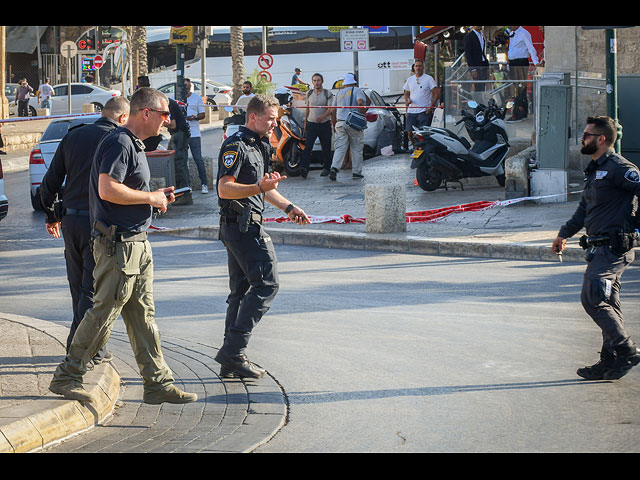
[
  {"x": 164, "y": 113},
  {"x": 585, "y": 135}
]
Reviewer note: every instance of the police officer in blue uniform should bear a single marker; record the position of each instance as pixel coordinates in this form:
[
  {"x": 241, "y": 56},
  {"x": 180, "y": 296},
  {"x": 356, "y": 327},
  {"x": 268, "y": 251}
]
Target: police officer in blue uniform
[
  {"x": 243, "y": 185},
  {"x": 607, "y": 210},
  {"x": 73, "y": 160}
]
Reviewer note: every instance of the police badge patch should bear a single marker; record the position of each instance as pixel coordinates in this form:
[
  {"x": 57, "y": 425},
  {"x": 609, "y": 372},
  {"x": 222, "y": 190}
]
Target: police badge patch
[
  {"x": 229, "y": 158},
  {"x": 632, "y": 175}
]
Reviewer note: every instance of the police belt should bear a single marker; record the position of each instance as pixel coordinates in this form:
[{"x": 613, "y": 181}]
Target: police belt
[
  {"x": 130, "y": 237},
  {"x": 73, "y": 211},
  {"x": 619, "y": 241},
  {"x": 255, "y": 218}
]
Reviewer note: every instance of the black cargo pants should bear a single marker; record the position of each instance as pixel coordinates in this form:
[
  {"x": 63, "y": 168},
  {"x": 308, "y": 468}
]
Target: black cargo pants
[
  {"x": 601, "y": 295},
  {"x": 253, "y": 282}
]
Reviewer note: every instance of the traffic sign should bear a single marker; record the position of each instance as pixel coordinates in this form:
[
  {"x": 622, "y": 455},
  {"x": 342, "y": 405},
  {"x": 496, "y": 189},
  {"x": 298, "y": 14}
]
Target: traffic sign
[
  {"x": 266, "y": 75},
  {"x": 97, "y": 62},
  {"x": 354, "y": 40},
  {"x": 265, "y": 61},
  {"x": 68, "y": 49},
  {"x": 378, "y": 29}
]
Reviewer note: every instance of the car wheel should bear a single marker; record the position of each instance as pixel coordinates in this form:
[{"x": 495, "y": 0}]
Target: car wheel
[
  {"x": 213, "y": 105},
  {"x": 32, "y": 112},
  {"x": 97, "y": 107},
  {"x": 35, "y": 201}
]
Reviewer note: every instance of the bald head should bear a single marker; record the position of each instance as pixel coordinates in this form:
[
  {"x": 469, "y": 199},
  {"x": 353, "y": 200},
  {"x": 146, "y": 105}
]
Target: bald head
[{"x": 117, "y": 109}]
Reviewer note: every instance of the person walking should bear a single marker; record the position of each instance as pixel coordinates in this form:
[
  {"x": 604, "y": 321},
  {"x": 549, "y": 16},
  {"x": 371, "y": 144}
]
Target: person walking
[
  {"x": 348, "y": 138},
  {"x": 23, "y": 92},
  {"x": 45, "y": 92},
  {"x": 420, "y": 97},
  {"x": 195, "y": 113},
  {"x": 243, "y": 185},
  {"x": 317, "y": 124},
  {"x": 606, "y": 210},
  {"x": 121, "y": 208},
  {"x": 71, "y": 166}
]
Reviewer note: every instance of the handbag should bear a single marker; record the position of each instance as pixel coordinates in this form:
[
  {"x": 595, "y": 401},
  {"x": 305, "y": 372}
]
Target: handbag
[{"x": 356, "y": 119}]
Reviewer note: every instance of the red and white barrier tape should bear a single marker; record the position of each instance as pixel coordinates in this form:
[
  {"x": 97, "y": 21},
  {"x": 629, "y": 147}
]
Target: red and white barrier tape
[{"x": 48, "y": 117}]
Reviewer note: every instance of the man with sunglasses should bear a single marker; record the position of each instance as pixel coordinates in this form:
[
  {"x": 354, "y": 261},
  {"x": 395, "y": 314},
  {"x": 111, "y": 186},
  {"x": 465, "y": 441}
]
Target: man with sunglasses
[
  {"x": 121, "y": 207},
  {"x": 607, "y": 210}
]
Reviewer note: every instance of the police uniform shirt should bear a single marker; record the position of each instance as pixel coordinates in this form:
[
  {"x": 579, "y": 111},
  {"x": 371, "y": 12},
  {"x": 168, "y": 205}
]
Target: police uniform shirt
[
  {"x": 607, "y": 203},
  {"x": 179, "y": 114},
  {"x": 244, "y": 156},
  {"x": 121, "y": 155},
  {"x": 73, "y": 160}
]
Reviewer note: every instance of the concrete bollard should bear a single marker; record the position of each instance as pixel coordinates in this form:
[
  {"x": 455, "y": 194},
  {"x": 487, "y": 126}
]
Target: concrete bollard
[
  {"x": 516, "y": 171},
  {"x": 88, "y": 108},
  {"x": 386, "y": 208},
  {"x": 43, "y": 112}
]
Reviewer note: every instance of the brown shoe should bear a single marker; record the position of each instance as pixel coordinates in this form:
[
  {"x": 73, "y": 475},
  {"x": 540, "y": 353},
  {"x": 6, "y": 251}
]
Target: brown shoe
[
  {"x": 71, "y": 391},
  {"x": 170, "y": 394}
]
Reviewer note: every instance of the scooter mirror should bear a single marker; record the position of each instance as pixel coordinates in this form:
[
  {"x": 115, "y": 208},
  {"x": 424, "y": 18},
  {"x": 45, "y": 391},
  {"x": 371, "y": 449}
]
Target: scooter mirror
[
  {"x": 228, "y": 109},
  {"x": 472, "y": 104}
]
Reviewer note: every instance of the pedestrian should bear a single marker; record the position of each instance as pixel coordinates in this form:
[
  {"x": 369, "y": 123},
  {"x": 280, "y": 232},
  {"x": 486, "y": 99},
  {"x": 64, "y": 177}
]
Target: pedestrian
[
  {"x": 606, "y": 209},
  {"x": 475, "y": 54},
  {"x": 243, "y": 100},
  {"x": 347, "y": 137},
  {"x": 243, "y": 185},
  {"x": 45, "y": 92},
  {"x": 195, "y": 113},
  {"x": 2, "y": 152},
  {"x": 69, "y": 171},
  {"x": 518, "y": 53},
  {"x": 23, "y": 92},
  {"x": 121, "y": 208},
  {"x": 296, "y": 79},
  {"x": 420, "y": 90},
  {"x": 317, "y": 124}
]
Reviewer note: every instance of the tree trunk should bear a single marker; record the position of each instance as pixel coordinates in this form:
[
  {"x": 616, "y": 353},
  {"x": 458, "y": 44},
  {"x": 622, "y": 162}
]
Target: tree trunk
[{"x": 237, "y": 61}]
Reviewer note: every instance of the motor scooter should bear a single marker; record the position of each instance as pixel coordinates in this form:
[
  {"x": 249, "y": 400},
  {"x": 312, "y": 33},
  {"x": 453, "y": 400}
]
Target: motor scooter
[
  {"x": 287, "y": 138},
  {"x": 441, "y": 155}
]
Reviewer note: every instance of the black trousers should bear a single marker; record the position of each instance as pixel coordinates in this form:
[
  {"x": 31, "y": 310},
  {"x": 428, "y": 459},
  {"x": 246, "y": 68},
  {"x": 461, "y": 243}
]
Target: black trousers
[
  {"x": 253, "y": 282},
  {"x": 323, "y": 132},
  {"x": 76, "y": 231},
  {"x": 601, "y": 295}
]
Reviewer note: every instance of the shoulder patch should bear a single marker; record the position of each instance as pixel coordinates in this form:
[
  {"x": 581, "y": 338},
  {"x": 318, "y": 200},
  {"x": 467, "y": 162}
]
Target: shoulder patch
[
  {"x": 632, "y": 175},
  {"x": 229, "y": 158}
]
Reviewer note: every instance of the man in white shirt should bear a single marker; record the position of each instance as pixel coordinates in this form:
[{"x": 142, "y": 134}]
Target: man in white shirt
[
  {"x": 520, "y": 48},
  {"x": 419, "y": 91},
  {"x": 195, "y": 113},
  {"x": 45, "y": 92},
  {"x": 245, "y": 97}
]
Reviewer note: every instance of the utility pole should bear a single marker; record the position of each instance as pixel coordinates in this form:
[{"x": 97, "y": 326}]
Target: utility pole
[
  {"x": 612, "y": 82},
  {"x": 4, "y": 103}
]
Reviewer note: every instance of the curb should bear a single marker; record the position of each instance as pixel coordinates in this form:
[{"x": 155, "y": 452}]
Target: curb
[
  {"x": 398, "y": 244},
  {"x": 51, "y": 419}
]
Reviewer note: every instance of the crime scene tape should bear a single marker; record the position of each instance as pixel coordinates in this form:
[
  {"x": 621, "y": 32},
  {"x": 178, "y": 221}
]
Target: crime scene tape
[{"x": 48, "y": 117}]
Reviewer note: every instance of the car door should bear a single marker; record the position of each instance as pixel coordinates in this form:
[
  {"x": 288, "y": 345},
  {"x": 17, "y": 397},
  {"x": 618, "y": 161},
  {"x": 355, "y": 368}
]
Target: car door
[
  {"x": 80, "y": 94},
  {"x": 59, "y": 100}
]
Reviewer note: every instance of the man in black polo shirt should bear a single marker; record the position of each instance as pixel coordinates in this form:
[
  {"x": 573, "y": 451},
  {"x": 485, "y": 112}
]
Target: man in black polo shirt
[
  {"x": 71, "y": 166},
  {"x": 120, "y": 200}
]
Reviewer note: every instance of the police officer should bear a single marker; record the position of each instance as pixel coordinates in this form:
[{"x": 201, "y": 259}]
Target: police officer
[
  {"x": 72, "y": 161},
  {"x": 243, "y": 185},
  {"x": 606, "y": 210},
  {"x": 121, "y": 208}
]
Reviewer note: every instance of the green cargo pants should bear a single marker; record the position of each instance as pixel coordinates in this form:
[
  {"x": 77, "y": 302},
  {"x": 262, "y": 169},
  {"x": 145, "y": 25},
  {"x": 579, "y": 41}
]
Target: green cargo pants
[{"x": 123, "y": 284}]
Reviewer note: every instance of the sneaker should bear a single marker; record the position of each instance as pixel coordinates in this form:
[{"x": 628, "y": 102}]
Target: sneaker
[
  {"x": 71, "y": 391},
  {"x": 357, "y": 176},
  {"x": 626, "y": 359},
  {"x": 324, "y": 172},
  {"x": 333, "y": 173},
  {"x": 205, "y": 189},
  {"x": 170, "y": 394}
]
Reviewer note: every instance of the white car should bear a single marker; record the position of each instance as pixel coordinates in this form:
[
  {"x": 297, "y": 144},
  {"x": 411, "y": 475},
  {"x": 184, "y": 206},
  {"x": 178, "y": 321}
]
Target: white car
[
  {"x": 81, "y": 93},
  {"x": 45, "y": 149},
  {"x": 4, "y": 203},
  {"x": 217, "y": 93}
]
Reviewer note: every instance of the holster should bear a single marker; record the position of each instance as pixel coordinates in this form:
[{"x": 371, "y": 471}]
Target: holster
[
  {"x": 107, "y": 236},
  {"x": 244, "y": 215}
]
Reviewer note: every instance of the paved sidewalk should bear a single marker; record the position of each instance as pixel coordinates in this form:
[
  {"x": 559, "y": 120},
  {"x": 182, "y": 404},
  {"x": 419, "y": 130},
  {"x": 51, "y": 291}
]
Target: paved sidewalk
[{"x": 30, "y": 417}]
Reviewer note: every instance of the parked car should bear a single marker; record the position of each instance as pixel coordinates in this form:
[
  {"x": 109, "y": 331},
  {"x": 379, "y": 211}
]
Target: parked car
[
  {"x": 81, "y": 93},
  {"x": 217, "y": 93},
  {"x": 4, "y": 202},
  {"x": 45, "y": 149},
  {"x": 10, "y": 90}
]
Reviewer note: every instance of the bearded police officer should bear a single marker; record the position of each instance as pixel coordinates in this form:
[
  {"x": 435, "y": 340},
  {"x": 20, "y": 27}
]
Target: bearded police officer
[
  {"x": 121, "y": 208},
  {"x": 71, "y": 166},
  {"x": 243, "y": 185},
  {"x": 606, "y": 210}
]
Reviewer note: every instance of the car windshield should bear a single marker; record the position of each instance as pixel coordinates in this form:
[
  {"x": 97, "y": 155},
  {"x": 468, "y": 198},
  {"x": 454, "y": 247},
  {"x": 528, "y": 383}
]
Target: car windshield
[{"x": 58, "y": 129}]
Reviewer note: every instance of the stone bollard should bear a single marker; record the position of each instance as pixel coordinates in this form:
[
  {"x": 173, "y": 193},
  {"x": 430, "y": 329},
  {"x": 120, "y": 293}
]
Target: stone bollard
[
  {"x": 386, "y": 208},
  {"x": 43, "y": 112},
  {"x": 516, "y": 171},
  {"x": 88, "y": 108}
]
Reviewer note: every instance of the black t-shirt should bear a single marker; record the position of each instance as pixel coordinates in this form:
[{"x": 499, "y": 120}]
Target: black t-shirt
[
  {"x": 179, "y": 114},
  {"x": 244, "y": 156},
  {"x": 121, "y": 155}
]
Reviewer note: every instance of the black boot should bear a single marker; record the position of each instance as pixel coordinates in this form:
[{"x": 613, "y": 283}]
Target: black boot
[
  {"x": 598, "y": 369},
  {"x": 238, "y": 366},
  {"x": 626, "y": 359}
]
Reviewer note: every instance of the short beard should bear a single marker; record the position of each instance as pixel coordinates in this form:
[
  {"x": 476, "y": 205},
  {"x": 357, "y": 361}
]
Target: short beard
[{"x": 588, "y": 149}]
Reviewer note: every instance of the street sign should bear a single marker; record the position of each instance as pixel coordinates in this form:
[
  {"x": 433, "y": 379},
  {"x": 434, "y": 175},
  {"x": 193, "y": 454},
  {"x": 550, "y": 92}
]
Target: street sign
[
  {"x": 337, "y": 29},
  {"x": 68, "y": 49},
  {"x": 265, "y": 61},
  {"x": 378, "y": 29},
  {"x": 266, "y": 75},
  {"x": 97, "y": 62},
  {"x": 354, "y": 40}
]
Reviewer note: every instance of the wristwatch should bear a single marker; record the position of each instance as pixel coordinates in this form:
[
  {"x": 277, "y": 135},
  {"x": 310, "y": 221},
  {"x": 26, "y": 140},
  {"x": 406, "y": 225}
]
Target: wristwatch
[{"x": 288, "y": 209}]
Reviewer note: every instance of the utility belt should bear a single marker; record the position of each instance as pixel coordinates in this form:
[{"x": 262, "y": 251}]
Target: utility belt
[
  {"x": 109, "y": 236},
  {"x": 620, "y": 242},
  {"x": 240, "y": 214}
]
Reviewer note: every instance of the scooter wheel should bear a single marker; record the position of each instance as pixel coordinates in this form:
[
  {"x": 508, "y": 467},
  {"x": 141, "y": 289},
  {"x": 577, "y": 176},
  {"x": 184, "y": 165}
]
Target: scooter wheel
[{"x": 427, "y": 178}]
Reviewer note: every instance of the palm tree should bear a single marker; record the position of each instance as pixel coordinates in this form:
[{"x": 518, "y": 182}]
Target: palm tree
[{"x": 237, "y": 61}]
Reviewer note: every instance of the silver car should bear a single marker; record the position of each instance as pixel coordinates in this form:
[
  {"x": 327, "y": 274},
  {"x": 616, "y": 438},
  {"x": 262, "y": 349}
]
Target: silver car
[{"x": 45, "y": 149}]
